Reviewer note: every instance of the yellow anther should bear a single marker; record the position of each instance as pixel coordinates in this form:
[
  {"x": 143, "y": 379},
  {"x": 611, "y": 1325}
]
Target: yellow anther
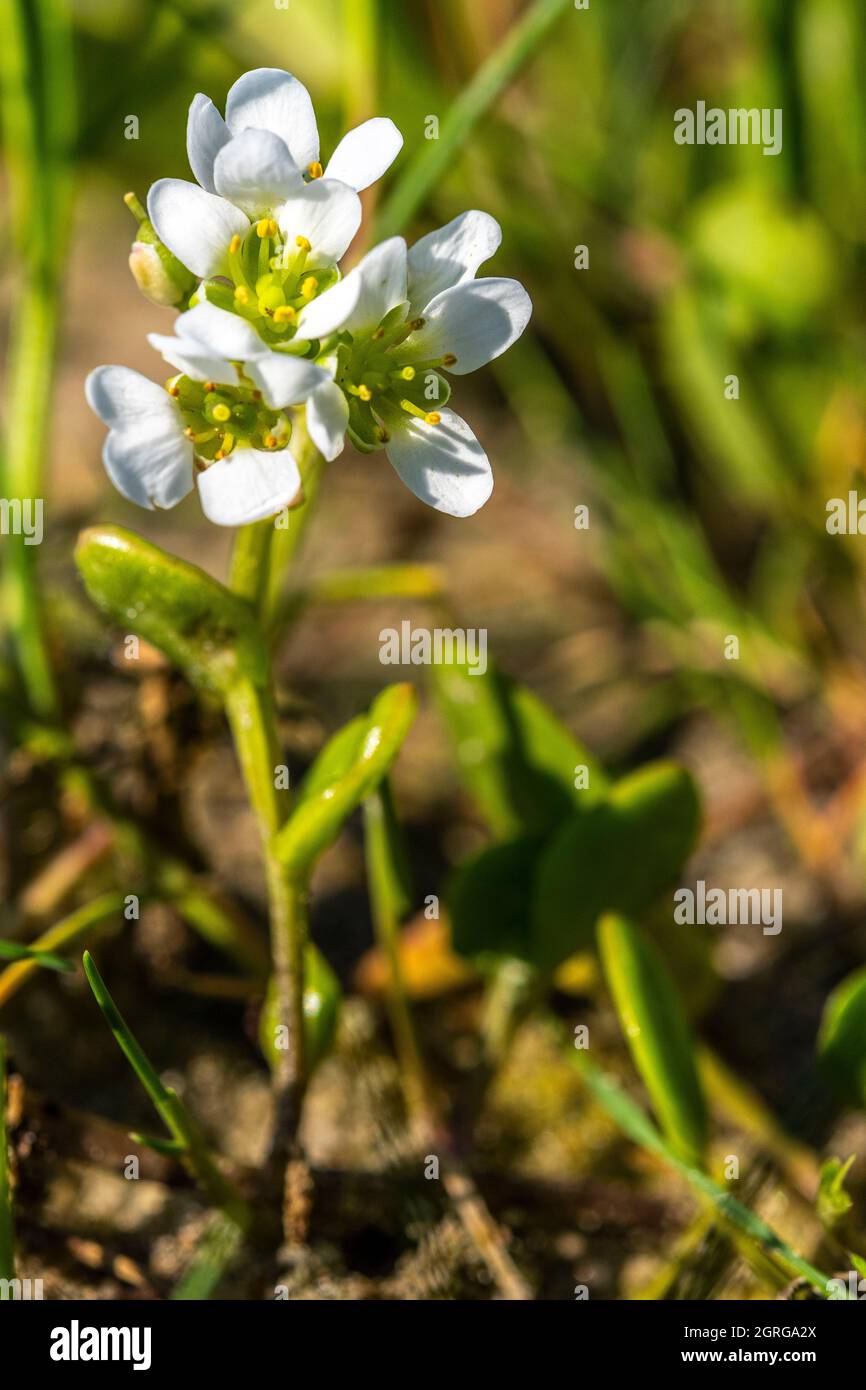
[
  {"x": 408, "y": 374},
  {"x": 234, "y": 245},
  {"x": 220, "y": 454},
  {"x": 302, "y": 243},
  {"x": 434, "y": 418},
  {"x": 449, "y": 360},
  {"x": 221, "y": 413},
  {"x": 315, "y": 170},
  {"x": 272, "y": 228},
  {"x": 365, "y": 393},
  {"x": 210, "y": 386},
  {"x": 242, "y": 294},
  {"x": 309, "y": 288},
  {"x": 263, "y": 227},
  {"x": 285, "y": 314},
  {"x": 271, "y": 441},
  {"x": 417, "y": 324}
]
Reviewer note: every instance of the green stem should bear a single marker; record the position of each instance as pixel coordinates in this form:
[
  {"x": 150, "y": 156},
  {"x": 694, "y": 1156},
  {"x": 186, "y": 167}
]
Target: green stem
[
  {"x": 286, "y": 540},
  {"x": 7, "y": 1230},
  {"x": 84, "y": 924},
  {"x": 250, "y": 564},
  {"x": 251, "y": 717}
]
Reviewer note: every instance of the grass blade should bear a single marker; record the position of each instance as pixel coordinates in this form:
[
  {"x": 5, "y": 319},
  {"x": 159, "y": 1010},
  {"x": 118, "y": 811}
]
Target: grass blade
[{"x": 432, "y": 163}]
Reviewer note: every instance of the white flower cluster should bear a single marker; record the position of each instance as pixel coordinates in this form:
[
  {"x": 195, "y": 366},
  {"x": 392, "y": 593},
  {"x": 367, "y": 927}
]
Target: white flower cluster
[{"x": 272, "y": 326}]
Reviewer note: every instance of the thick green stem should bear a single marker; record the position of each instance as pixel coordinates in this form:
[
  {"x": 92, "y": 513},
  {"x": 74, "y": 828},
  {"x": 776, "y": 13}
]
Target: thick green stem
[
  {"x": 251, "y": 716},
  {"x": 251, "y": 558}
]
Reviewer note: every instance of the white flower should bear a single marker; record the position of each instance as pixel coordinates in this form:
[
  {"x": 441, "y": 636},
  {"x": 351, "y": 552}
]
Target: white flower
[
  {"x": 226, "y": 409},
  {"x": 403, "y": 317},
  {"x": 261, "y": 166}
]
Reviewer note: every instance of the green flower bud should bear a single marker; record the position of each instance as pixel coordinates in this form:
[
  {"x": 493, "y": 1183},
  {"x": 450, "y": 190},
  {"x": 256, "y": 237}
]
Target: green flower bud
[{"x": 159, "y": 275}]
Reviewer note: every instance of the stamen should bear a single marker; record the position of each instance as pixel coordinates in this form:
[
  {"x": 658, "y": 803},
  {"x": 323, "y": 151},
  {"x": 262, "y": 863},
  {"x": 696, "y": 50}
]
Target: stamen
[
  {"x": 271, "y": 441},
  {"x": 407, "y": 374},
  {"x": 315, "y": 170},
  {"x": 365, "y": 393},
  {"x": 449, "y": 360},
  {"x": 302, "y": 244},
  {"x": 221, "y": 413},
  {"x": 285, "y": 314},
  {"x": 309, "y": 288},
  {"x": 234, "y": 245},
  {"x": 434, "y": 418},
  {"x": 263, "y": 227},
  {"x": 242, "y": 295}
]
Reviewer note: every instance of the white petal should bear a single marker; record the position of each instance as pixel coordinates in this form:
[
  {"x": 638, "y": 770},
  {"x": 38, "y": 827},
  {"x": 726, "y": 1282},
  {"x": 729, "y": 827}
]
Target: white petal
[
  {"x": 331, "y": 310},
  {"x": 152, "y": 468},
  {"x": 450, "y": 255},
  {"x": 365, "y": 153},
  {"x": 328, "y": 420},
  {"x": 442, "y": 464},
  {"x": 476, "y": 321},
  {"x": 382, "y": 274},
  {"x": 327, "y": 213},
  {"x": 123, "y": 398},
  {"x": 146, "y": 454},
  {"x": 196, "y": 225},
  {"x": 224, "y": 334},
  {"x": 195, "y": 361},
  {"x": 206, "y": 133},
  {"x": 270, "y": 99},
  {"x": 248, "y": 486},
  {"x": 256, "y": 172},
  {"x": 285, "y": 380}
]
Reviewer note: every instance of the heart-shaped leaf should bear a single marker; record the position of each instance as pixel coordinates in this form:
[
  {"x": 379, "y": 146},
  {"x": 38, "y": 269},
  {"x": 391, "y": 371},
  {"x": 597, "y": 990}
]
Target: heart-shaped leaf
[
  {"x": 206, "y": 630},
  {"x": 518, "y": 761},
  {"x": 343, "y": 776},
  {"x": 842, "y": 1038},
  {"x": 322, "y": 999},
  {"x": 657, "y": 1034},
  {"x": 616, "y": 856}
]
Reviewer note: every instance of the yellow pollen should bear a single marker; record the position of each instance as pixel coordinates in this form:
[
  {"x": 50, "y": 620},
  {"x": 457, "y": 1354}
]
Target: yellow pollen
[
  {"x": 284, "y": 313},
  {"x": 408, "y": 374},
  {"x": 302, "y": 243},
  {"x": 235, "y": 245},
  {"x": 434, "y": 418},
  {"x": 315, "y": 170},
  {"x": 263, "y": 228},
  {"x": 221, "y": 413},
  {"x": 310, "y": 287},
  {"x": 242, "y": 295},
  {"x": 365, "y": 393}
]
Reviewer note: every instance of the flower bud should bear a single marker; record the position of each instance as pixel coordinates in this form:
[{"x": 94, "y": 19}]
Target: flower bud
[{"x": 159, "y": 275}]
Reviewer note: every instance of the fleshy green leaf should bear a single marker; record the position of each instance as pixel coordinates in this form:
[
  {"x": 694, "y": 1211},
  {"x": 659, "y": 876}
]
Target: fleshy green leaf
[
  {"x": 490, "y": 900},
  {"x": 322, "y": 998},
  {"x": 615, "y": 857},
  {"x": 516, "y": 758},
  {"x": 210, "y": 633},
  {"x": 342, "y": 777},
  {"x": 842, "y": 1038},
  {"x": 657, "y": 1034}
]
